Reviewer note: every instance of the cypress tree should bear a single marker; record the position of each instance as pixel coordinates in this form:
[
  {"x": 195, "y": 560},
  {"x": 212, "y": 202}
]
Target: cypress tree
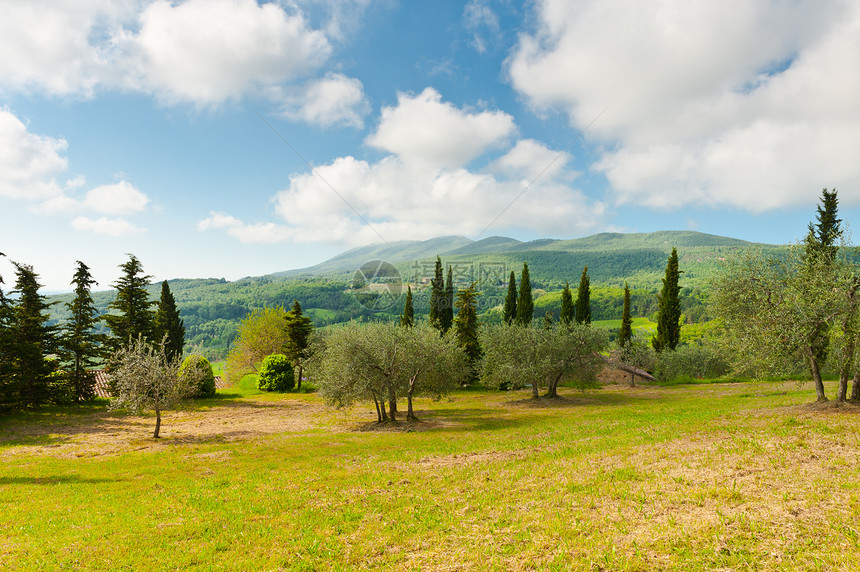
[
  {"x": 407, "y": 318},
  {"x": 669, "y": 316},
  {"x": 525, "y": 303},
  {"x": 583, "y": 299},
  {"x": 448, "y": 306},
  {"x": 81, "y": 348},
  {"x": 133, "y": 317},
  {"x": 625, "y": 333},
  {"x": 567, "y": 314},
  {"x": 168, "y": 323},
  {"x": 466, "y": 327},
  {"x": 437, "y": 294},
  {"x": 511, "y": 300},
  {"x": 299, "y": 329},
  {"x": 32, "y": 340}
]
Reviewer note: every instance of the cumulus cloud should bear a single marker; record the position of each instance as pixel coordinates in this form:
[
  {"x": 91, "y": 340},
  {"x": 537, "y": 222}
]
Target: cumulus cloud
[
  {"x": 334, "y": 100},
  {"x": 107, "y": 226},
  {"x": 424, "y": 130},
  {"x": 203, "y": 52},
  {"x": 206, "y": 51},
  {"x": 742, "y": 104},
  {"x": 421, "y": 190},
  {"x": 29, "y": 163}
]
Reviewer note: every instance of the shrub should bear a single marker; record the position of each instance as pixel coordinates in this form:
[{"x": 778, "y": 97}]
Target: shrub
[
  {"x": 276, "y": 374},
  {"x": 690, "y": 362},
  {"x": 198, "y": 364}
]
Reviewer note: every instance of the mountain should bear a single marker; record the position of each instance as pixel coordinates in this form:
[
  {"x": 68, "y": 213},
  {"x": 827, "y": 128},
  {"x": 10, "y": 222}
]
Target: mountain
[
  {"x": 213, "y": 308},
  {"x": 611, "y": 257}
]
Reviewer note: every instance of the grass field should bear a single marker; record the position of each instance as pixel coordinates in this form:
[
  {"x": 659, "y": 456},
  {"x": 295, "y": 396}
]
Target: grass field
[{"x": 724, "y": 476}]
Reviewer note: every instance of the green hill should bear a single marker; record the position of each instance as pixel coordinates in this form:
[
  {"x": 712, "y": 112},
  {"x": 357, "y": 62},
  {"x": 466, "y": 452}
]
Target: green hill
[{"x": 212, "y": 308}]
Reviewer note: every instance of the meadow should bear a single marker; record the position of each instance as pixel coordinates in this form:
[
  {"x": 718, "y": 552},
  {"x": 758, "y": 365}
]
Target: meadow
[{"x": 691, "y": 477}]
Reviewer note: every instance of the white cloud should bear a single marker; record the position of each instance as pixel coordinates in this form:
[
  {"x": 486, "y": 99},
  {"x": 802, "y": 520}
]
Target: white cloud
[
  {"x": 60, "y": 47},
  {"x": 333, "y": 100},
  {"x": 422, "y": 191},
  {"x": 206, "y": 51},
  {"x": 29, "y": 163},
  {"x": 424, "y": 130},
  {"x": 265, "y": 232},
  {"x": 750, "y": 105},
  {"x": 203, "y": 52},
  {"x": 107, "y": 226},
  {"x": 483, "y": 23},
  {"x": 117, "y": 199},
  {"x": 218, "y": 220}
]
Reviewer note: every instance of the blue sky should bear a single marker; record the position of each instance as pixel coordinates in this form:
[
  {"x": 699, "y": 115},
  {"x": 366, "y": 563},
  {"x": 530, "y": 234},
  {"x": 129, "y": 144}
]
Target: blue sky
[{"x": 230, "y": 138}]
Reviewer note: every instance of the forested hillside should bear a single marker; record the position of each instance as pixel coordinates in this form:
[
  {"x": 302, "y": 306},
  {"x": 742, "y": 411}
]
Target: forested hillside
[{"x": 212, "y": 308}]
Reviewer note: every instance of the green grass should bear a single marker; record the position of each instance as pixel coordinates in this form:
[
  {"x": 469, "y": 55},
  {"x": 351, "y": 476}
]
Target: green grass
[
  {"x": 641, "y": 326},
  {"x": 693, "y": 477}
]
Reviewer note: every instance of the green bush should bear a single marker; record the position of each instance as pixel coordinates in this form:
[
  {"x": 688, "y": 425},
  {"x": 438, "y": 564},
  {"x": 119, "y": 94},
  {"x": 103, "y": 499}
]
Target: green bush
[
  {"x": 203, "y": 369},
  {"x": 690, "y": 362},
  {"x": 276, "y": 374}
]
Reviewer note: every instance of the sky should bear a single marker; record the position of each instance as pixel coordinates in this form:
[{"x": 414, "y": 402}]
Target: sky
[{"x": 232, "y": 138}]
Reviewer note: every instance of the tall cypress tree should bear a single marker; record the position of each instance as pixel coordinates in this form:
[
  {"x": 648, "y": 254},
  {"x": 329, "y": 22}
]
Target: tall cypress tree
[
  {"x": 33, "y": 340},
  {"x": 407, "y": 318},
  {"x": 466, "y": 328},
  {"x": 437, "y": 295},
  {"x": 299, "y": 329},
  {"x": 168, "y": 323},
  {"x": 568, "y": 313},
  {"x": 81, "y": 348},
  {"x": 448, "y": 306},
  {"x": 511, "y": 300},
  {"x": 525, "y": 303},
  {"x": 133, "y": 315},
  {"x": 669, "y": 316},
  {"x": 625, "y": 333},
  {"x": 583, "y": 299}
]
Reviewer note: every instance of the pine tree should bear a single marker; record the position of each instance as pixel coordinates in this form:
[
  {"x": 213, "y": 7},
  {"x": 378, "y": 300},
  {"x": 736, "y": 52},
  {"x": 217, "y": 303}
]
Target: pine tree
[
  {"x": 547, "y": 320},
  {"x": 168, "y": 323},
  {"x": 407, "y": 318},
  {"x": 81, "y": 348},
  {"x": 568, "y": 313},
  {"x": 511, "y": 300},
  {"x": 466, "y": 327},
  {"x": 583, "y": 299},
  {"x": 669, "y": 316},
  {"x": 625, "y": 334},
  {"x": 32, "y": 339},
  {"x": 437, "y": 295},
  {"x": 133, "y": 316},
  {"x": 448, "y": 306},
  {"x": 525, "y": 303},
  {"x": 299, "y": 329}
]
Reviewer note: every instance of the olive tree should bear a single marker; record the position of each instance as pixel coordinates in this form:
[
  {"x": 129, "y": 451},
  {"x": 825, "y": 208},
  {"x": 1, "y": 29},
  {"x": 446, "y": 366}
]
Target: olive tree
[
  {"x": 383, "y": 362},
  {"x": 518, "y": 356},
  {"x": 776, "y": 311},
  {"x": 147, "y": 379}
]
